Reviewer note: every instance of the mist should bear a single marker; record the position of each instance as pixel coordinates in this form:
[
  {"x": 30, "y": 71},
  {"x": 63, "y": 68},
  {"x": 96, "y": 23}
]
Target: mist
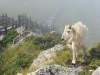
[{"x": 65, "y": 12}]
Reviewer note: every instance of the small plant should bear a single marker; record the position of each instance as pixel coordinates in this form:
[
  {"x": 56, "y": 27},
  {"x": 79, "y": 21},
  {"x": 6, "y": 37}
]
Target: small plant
[
  {"x": 8, "y": 38},
  {"x": 63, "y": 57}
]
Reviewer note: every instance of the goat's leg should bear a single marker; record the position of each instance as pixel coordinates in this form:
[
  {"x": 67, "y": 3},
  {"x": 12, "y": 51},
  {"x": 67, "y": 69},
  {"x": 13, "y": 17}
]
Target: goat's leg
[
  {"x": 74, "y": 53},
  {"x": 85, "y": 55},
  {"x": 72, "y": 47}
]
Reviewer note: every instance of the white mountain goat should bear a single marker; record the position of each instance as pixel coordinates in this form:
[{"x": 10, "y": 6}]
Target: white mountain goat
[{"x": 74, "y": 37}]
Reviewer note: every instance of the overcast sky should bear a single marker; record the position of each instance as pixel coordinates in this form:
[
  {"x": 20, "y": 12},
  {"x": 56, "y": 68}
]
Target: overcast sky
[{"x": 66, "y": 12}]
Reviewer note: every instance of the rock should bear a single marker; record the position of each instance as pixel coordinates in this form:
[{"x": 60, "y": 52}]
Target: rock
[
  {"x": 96, "y": 72},
  {"x": 45, "y": 56},
  {"x": 32, "y": 73},
  {"x": 74, "y": 70},
  {"x": 19, "y": 74},
  {"x": 56, "y": 70},
  {"x": 50, "y": 70}
]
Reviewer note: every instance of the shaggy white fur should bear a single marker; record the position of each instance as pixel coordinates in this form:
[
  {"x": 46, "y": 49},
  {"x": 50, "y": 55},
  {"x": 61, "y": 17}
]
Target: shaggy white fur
[{"x": 74, "y": 37}]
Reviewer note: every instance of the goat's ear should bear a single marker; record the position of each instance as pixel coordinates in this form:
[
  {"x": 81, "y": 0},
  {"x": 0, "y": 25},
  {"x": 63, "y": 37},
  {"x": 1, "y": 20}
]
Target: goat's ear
[
  {"x": 66, "y": 26},
  {"x": 70, "y": 27}
]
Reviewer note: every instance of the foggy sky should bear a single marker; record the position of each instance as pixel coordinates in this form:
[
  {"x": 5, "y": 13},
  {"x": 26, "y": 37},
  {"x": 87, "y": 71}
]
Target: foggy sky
[{"x": 68, "y": 12}]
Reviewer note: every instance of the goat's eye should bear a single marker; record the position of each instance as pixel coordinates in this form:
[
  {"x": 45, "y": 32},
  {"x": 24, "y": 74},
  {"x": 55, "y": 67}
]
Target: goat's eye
[{"x": 68, "y": 31}]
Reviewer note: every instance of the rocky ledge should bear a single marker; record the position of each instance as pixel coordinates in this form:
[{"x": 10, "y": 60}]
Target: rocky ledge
[
  {"x": 56, "y": 70},
  {"x": 45, "y": 57}
]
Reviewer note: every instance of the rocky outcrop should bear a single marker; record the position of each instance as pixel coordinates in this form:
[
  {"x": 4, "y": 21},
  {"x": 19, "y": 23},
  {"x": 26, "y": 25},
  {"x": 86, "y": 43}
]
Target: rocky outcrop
[
  {"x": 41, "y": 66},
  {"x": 56, "y": 70},
  {"x": 45, "y": 57},
  {"x": 50, "y": 70},
  {"x": 96, "y": 72}
]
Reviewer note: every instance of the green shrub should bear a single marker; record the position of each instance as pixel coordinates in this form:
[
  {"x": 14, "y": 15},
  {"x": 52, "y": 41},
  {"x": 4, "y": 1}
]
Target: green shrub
[
  {"x": 47, "y": 40},
  {"x": 95, "y": 56},
  {"x": 95, "y": 63},
  {"x": 84, "y": 72},
  {"x": 16, "y": 59},
  {"x": 8, "y": 38}
]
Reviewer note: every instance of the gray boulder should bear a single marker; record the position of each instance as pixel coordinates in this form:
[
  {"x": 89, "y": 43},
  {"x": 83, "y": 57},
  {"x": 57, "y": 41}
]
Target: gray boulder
[
  {"x": 96, "y": 72},
  {"x": 56, "y": 70},
  {"x": 45, "y": 56},
  {"x": 50, "y": 70}
]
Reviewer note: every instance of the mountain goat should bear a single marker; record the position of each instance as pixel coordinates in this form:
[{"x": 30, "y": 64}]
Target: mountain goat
[{"x": 74, "y": 37}]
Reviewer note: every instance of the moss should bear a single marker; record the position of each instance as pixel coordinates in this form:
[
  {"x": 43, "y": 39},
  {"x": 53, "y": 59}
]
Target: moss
[{"x": 62, "y": 57}]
